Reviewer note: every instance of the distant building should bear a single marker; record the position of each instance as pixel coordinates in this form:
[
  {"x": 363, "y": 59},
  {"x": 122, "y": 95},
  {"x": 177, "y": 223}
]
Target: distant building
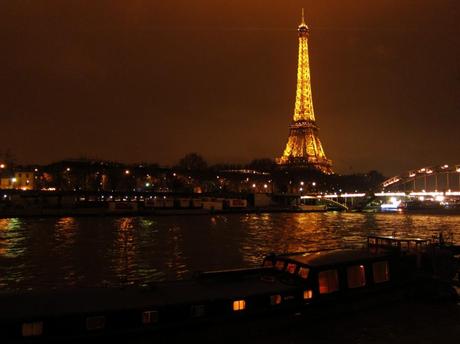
[{"x": 21, "y": 180}]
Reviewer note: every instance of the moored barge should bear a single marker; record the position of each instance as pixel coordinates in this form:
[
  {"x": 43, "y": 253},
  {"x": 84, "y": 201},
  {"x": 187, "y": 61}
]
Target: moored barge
[{"x": 387, "y": 269}]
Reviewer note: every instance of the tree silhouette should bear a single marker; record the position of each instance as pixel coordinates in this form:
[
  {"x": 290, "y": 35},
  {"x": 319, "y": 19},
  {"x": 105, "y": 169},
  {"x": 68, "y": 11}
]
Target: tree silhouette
[{"x": 192, "y": 162}]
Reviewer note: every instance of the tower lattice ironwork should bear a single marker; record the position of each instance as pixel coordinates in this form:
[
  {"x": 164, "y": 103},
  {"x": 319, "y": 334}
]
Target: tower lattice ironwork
[{"x": 304, "y": 148}]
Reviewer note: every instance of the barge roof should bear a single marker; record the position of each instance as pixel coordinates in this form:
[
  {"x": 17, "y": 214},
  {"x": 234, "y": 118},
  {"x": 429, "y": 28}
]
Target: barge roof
[{"x": 337, "y": 257}]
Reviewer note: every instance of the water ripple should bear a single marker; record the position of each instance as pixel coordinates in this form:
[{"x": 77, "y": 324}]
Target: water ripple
[{"x": 80, "y": 252}]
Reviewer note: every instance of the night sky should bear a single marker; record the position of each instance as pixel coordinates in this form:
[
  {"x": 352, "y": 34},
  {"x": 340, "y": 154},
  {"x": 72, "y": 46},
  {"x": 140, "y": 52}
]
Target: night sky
[{"x": 153, "y": 80}]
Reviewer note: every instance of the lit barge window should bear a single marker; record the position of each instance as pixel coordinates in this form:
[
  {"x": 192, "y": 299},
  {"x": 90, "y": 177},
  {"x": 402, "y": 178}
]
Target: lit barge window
[
  {"x": 291, "y": 268},
  {"x": 303, "y": 272},
  {"x": 275, "y": 299},
  {"x": 328, "y": 281},
  {"x": 307, "y": 294},
  {"x": 356, "y": 276},
  {"x": 239, "y": 305},
  {"x": 32, "y": 329},
  {"x": 381, "y": 272},
  {"x": 149, "y": 317}
]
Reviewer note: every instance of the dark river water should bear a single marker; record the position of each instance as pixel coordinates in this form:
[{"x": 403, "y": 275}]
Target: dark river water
[{"x": 44, "y": 253}]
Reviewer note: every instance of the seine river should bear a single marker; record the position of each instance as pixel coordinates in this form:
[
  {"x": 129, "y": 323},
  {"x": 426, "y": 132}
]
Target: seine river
[{"x": 44, "y": 253}]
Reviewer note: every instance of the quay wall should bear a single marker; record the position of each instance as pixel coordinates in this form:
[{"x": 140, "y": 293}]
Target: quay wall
[{"x": 98, "y": 204}]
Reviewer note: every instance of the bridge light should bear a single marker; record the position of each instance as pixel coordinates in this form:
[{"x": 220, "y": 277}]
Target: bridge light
[{"x": 445, "y": 166}]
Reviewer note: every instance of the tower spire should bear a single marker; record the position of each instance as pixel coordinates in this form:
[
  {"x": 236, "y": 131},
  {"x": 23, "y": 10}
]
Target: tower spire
[
  {"x": 304, "y": 147},
  {"x": 303, "y": 25}
]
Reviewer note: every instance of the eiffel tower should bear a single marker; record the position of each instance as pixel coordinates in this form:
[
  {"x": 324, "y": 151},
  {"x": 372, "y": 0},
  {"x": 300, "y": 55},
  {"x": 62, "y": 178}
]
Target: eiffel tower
[{"x": 304, "y": 148}]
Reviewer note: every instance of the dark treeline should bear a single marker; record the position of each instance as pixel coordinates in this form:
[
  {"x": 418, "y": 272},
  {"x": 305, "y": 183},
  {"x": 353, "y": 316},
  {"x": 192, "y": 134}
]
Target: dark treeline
[{"x": 192, "y": 173}]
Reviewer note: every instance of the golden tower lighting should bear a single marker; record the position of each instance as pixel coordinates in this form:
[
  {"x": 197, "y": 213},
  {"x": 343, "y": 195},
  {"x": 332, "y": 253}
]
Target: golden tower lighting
[{"x": 304, "y": 148}]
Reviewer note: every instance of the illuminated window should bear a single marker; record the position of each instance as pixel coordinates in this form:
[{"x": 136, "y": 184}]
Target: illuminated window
[
  {"x": 356, "y": 276},
  {"x": 291, "y": 268},
  {"x": 307, "y": 294},
  {"x": 239, "y": 305},
  {"x": 381, "y": 272},
  {"x": 328, "y": 281},
  {"x": 279, "y": 265},
  {"x": 275, "y": 299},
  {"x": 303, "y": 272},
  {"x": 95, "y": 323},
  {"x": 149, "y": 317},
  {"x": 32, "y": 329}
]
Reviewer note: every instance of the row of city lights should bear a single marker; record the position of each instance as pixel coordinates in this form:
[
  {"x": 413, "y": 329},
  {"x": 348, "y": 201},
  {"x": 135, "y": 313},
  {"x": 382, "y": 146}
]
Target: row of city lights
[{"x": 387, "y": 194}]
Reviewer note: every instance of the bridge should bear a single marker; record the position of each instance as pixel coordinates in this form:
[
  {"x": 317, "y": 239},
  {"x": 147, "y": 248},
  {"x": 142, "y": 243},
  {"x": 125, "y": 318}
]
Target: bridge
[
  {"x": 443, "y": 178},
  {"x": 433, "y": 186}
]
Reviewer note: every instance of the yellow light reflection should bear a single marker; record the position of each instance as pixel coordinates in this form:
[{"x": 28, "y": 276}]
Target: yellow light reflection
[{"x": 11, "y": 241}]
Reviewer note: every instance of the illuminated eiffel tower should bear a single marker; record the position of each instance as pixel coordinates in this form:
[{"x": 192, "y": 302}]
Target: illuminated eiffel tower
[{"x": 304, "y": 148}]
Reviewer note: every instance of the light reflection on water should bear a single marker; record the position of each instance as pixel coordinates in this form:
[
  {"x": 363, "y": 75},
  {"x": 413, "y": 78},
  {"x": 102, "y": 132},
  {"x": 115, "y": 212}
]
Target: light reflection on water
[{"x": 110, "y": 251}]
